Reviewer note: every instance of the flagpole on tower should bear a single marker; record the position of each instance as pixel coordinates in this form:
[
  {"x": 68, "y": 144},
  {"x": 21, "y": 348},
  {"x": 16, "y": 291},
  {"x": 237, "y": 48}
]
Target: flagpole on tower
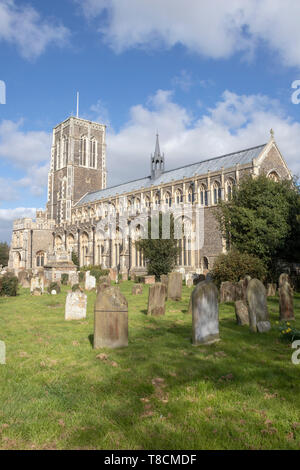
[{"x": 77, "y": 114}]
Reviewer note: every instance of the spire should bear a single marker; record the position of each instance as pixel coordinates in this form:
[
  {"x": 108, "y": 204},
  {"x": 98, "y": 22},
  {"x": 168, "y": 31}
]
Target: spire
[
  {"x": 157, "y": 161},
  {"x": 157, "y": 148}
]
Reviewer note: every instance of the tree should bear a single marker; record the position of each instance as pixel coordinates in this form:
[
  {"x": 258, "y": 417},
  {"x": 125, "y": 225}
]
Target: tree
[
  {"x": 75, "y": 259},
  {"x": 160, "y": 254},
  {"x": 263, "y": 218},
  {"x": 4, "y": 253}
]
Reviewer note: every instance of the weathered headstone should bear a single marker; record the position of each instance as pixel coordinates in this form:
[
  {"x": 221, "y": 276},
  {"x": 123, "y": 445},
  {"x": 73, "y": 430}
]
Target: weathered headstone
[
  {"x": 90, "y": 281},
  {"x": 227, "y": 292},
  {"x": 76, "y": 303},
  {"x": 124, "y": 276},
  {"x": 149, "y": 279},
  {"x": 271, "y": 290},
  {"x": 189, "y": 282},
  {"x": 156, "y": 299},
  {"x": 24, "y": 279},
  {"x": 137, "y": 289},
  {"x": 36, "y": 291},
  {"x": 111, "y": 319},
  {"x": 257, "y": 305},
  {"x": 283, "y": 278},
  {"x": 241, "y": 313},
  {"x": 73, "y": 279},
  {"x": 286, "y": 302},
  {"x": 174, "y": 286},
  {"x": 37, "y": 283},
  {"x": 113, "y": 274},
  {"x": 205, "y": 313}
]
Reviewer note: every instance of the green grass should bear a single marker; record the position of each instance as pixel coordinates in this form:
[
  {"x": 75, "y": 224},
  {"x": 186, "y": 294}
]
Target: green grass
[{"x": 159, "y": 393}]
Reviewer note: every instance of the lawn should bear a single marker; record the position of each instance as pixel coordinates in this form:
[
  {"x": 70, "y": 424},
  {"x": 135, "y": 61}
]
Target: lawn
[{"x": 159, "y": 393}]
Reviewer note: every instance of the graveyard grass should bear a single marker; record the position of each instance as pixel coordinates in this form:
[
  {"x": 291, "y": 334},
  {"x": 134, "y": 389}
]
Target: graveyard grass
[{"x": 159, "y": 393}]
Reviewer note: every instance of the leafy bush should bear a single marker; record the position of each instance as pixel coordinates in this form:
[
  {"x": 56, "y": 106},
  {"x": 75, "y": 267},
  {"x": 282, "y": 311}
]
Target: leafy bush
[
  {"x": 64, "y": 279},
  {"x": 54, "y": 286},
  {"x": 234, "y": 266},
  {"x": 8, "y": 285},
  {"x": 75, "y": 287},
  {"x": 95, "y": 271}
]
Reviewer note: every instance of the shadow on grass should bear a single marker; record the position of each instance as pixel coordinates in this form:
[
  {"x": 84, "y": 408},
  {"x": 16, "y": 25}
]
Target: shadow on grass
[{"x": 91, "y": 340}]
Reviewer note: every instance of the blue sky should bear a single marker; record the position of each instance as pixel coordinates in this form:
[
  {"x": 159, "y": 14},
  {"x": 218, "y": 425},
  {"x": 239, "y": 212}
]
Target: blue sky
[{"x": 211, "y": 76}]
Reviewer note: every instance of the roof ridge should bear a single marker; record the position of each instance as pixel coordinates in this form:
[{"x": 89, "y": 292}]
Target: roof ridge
[{"x": 174, "y": 169}]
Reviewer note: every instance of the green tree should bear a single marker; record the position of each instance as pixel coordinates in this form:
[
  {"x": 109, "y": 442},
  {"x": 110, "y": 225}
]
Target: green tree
[
  {"x": 234, "y": 266},
  {"x": 4, "y": 253},
  {"x": 262, "y": 218},
  {"x": 75, "y": 259},
  {"x": 160, "y": 254}
]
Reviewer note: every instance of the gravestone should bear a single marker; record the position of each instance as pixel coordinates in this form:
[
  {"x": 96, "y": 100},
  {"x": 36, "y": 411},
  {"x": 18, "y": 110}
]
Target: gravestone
[
  {"x": 124, "y": 276},
  {"x": 189, "y": 282},
  {"x": 90, "y": 281},
  {"x": 37, "y": 283},
  {"x": 244, "y": 282},
  {"x": 156, "y": 299},
  {"x": 271, "y": 290},
  {"x": 164, "y": 281},
  {"x": 257, "y": 305},
  {"x": 286, "y": 302},
  {"x": 24, "y": 279},
  {"x": 227, "y": 292},
  {"x": 149, "y": 279},
  {"x": 111, "y": 319},
  {"x": 102, "y": 286},
  {"x": 283, "y": 278},
  {"x": 137, "y": 289},
  {"x": 36, "y": 291},
  {"x": 205, "y": 313},
  {"x": 76, "y": 303},
  {"x": 113, "y": 274},
  {"x": 241, "y": 313},
  {"x": 174, "y": 286},
  {"x": 73, "y": 279}
]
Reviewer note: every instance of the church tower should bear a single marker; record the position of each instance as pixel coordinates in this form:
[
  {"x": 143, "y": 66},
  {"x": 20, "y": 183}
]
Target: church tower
[
  {"x": 157, "y": 161},
  {"x": 78, "y": 165}
]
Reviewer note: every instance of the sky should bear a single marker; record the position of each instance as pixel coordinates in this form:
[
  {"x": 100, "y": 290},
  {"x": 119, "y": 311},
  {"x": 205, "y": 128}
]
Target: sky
[{"x": 210, "y": 77}]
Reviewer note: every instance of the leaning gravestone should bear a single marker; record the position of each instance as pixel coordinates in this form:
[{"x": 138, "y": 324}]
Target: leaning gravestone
[
  {"x": 174, "y": 286},
  {"x": 156, "y": 299},
  {"x": 111, "y": 319},
  {"x": 137, "y": 289},
  {"x": 76, "y": 303},
  {"x": 258, "y": 309},
  {"x": 90, "y": 281},
  {"x": 271, "y": 290},
  {"x": 286, "y": 302},
  {"x": 241, "y": 313},
  {"x": 205, "y": 313}
]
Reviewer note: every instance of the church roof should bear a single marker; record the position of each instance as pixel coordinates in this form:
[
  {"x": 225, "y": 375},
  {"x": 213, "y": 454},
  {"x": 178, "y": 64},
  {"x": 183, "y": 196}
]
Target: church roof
[{"x": 230, "y": 160}]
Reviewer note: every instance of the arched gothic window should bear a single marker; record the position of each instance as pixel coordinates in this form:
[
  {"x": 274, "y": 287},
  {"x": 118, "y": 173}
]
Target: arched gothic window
[
  {"x": 203, "y": 196},
  {"x": 83, "y": 149},
  {"x": 229, "y": 189},
  {"x": 168, "y": 199},
  {"x": 40, "y": 258},
  {"x": 93, "y": 153},
  {"x": 179, "y": 197},
  {"x": 217, "y": 194},
  {"x": 65, "y": 150},
  {"x": 274, "y": 176}
]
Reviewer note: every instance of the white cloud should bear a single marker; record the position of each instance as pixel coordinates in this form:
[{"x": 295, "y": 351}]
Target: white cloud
[
  {"x": 29, "y": 151},
  {"x": 7, "y": 216},
  {"x": 236, "y": 122},
  {"x": 213, "y": 28},
  {"x": 24, "y": 27}
]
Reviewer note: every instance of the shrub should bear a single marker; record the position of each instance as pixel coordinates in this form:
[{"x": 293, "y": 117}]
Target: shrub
[
  {"x": 75, "y": 287},
  {"x": 9, "y": 285},
  {"x": 54, "y": 286},
  {"x": 75, "y": 259},
  {"x": 234, "y": 266},
  {"x": 64, "y": 279},
  {"x": 95, "y": 271}
]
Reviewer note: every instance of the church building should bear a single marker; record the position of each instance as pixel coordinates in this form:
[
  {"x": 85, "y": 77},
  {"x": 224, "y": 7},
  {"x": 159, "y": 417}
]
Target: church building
[{"x": 80, "y": 206}]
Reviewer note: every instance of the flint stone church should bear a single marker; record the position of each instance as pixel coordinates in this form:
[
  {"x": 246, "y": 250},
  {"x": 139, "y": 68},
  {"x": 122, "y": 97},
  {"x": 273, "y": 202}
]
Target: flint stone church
[{"x": 78, "y": 200}]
